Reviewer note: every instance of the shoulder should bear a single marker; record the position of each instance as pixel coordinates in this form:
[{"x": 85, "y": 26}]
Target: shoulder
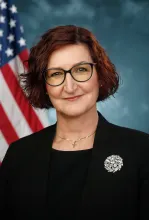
[
  {"x": 35, "y": 137},
  {"x": 131, "y": 133},
  {"x": 30, "y": 144},
  {"x": 133, "y": 139},
  {"x": 119, "y": 133}
]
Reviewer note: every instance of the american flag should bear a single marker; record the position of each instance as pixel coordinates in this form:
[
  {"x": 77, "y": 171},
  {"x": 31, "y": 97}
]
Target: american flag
[{"x": 17, "y": 117}]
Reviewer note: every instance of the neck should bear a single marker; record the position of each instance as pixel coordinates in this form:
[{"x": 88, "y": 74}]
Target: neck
[{"x": 77, "y": 127}]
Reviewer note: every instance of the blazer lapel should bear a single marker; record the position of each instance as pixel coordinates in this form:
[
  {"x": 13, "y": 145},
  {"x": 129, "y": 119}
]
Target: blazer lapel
[
  {"x": 96, "y": 173},
  {"x": 43, "y": 169}
]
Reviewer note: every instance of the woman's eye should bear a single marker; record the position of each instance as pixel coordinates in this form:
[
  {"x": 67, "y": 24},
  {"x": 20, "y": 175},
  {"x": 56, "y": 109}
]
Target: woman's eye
[
  {"x": 56, "y": 74},
  {"x": 81, "y": 69}
]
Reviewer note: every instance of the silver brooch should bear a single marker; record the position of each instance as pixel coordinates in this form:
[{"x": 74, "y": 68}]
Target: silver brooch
[{"x": 113, "y": 163}]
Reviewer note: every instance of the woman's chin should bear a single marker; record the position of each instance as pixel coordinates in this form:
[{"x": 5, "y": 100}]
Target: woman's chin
[{"x": 72, "y": 112}]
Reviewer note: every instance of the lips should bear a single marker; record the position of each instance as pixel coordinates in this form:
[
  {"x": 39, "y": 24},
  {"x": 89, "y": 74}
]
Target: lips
[{"x": 73, "y": 98}]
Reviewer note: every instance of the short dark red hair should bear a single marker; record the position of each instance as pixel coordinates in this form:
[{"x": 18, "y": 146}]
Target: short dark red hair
[{"x": 34, "y": 83}]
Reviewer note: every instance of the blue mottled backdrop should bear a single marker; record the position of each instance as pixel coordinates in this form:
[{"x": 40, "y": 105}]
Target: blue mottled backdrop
[{"x": 122, "y": 28}]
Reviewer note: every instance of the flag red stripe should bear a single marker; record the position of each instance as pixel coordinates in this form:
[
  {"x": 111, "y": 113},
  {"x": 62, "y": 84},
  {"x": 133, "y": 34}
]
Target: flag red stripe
[
  {"x": 24, "y": 56},
  {"x": 7, "y": 129},
  {"x": 20, "y": 98}
]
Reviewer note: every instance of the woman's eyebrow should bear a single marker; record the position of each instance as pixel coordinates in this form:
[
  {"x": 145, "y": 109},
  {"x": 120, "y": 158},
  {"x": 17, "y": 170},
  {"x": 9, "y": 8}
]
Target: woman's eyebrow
[{"x": 58, "y": 67}]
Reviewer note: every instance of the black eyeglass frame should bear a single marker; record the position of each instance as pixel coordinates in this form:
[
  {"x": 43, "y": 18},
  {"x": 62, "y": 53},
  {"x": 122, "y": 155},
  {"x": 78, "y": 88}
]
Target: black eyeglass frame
[{"x": 69, "y": 71}]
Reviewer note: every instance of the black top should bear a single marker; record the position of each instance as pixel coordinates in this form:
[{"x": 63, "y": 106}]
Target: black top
[
  {"x": 107, "y": 194},
  {"x": 68, "y": 171}
]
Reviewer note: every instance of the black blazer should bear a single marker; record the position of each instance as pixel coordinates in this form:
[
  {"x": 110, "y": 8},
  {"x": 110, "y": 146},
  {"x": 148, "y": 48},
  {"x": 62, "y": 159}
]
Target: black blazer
[{"x": 120, "y": 195}]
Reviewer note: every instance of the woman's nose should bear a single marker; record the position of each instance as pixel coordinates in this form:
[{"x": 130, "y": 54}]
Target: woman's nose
[{"x": 69, "y": 83}]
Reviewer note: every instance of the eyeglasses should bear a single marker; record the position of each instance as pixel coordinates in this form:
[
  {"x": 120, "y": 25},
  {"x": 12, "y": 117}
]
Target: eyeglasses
[{"x": 80, "y": 72}]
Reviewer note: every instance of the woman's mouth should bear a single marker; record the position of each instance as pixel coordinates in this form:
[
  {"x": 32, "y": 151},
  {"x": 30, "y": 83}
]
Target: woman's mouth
[{"x": 73, "y": 98}]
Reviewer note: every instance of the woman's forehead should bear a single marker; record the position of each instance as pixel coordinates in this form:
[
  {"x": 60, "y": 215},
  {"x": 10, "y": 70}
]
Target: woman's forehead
[{"x": 68, "y": 56}]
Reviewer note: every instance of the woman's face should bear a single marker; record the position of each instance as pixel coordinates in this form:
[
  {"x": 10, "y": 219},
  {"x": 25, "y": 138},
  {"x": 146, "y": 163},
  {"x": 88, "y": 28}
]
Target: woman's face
[{"x": 66, "y": 57}]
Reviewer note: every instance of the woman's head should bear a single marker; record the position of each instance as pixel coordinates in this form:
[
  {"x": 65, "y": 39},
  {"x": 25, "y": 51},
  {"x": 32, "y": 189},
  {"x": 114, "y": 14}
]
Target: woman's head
[{"x": 63, "y": 47}]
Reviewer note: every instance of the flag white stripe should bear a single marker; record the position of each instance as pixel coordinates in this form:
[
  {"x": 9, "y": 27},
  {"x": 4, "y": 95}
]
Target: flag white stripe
[
  {"x": 3, "y": 146},
  {"x": 43, "y": 116}
]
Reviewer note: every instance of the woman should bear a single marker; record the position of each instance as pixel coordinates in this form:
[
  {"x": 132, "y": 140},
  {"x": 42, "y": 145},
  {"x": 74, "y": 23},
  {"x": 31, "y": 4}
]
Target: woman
[{"x": 82, "y": 166}]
